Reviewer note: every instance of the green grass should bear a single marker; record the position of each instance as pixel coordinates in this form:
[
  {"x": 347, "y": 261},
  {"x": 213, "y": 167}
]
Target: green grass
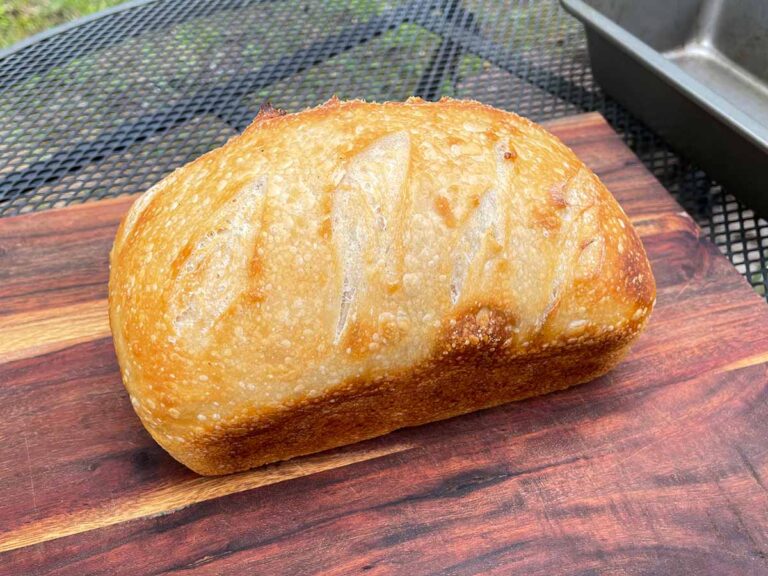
[{"x": 22, "y": 18}]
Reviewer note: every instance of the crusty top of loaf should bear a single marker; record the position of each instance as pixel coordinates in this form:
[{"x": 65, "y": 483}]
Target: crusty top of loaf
[{"x": 356, "y": 241}]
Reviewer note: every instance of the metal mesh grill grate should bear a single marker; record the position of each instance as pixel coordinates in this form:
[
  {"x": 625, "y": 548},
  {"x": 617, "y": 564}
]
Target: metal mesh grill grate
[{"x": 111, "y": 105}]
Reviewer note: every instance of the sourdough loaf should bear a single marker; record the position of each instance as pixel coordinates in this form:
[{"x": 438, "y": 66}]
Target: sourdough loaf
[{"x": 332, "y": 275}]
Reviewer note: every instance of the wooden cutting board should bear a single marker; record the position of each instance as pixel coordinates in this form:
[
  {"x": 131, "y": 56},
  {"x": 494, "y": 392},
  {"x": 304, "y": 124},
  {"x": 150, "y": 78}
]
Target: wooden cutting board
[{"x": 660, "y": 467}]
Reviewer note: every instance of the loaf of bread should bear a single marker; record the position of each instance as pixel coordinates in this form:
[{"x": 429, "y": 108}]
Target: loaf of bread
[{"x": 335, "y": 274}]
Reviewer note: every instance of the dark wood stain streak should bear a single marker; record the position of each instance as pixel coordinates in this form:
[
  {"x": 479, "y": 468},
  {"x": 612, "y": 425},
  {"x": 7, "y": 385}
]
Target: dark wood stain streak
[
  {"x": 656, "y": 468},
  {"x": 750, "y": 467}
]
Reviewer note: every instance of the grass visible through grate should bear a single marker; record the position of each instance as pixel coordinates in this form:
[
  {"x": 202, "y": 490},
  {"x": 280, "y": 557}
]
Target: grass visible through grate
[{"x": 22, "y": 18}]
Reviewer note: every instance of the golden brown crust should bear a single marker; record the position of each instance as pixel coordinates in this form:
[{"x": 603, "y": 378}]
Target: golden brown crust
[
  {"x": 338, "y": 273},
  {"x": 362, "y": 409}
]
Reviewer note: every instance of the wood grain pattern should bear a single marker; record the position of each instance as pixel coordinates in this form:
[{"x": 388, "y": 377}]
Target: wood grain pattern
[
  {"x": 36, "y": 332},
  {"x": 660, "y": 467},
  {"x": 171, "y": 497}
]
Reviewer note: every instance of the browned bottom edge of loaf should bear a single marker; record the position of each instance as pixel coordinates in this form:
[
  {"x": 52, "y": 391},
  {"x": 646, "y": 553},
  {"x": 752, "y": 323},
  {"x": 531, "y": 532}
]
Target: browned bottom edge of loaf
[{"x": 363, "y": 409}]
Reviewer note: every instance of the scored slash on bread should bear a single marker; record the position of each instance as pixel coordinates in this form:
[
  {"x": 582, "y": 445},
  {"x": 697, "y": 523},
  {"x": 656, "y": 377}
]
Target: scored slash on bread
[
  {"x": 369, "y": 206},
  {"x": 212, "y": 267},
  {"x": 332, "y": 275}
]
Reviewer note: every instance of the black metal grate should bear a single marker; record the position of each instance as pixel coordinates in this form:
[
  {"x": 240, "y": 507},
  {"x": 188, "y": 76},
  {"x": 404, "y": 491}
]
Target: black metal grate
[{"x": 109, "y": 106}]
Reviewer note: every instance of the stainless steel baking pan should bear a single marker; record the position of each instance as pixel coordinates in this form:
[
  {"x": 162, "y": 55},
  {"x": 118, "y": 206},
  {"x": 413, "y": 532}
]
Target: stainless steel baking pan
[{"x": 696, "y": 71}]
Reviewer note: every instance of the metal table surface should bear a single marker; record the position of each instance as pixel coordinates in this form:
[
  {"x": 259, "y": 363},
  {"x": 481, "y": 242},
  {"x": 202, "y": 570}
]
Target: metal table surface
[{"x": 109, "y": 104}]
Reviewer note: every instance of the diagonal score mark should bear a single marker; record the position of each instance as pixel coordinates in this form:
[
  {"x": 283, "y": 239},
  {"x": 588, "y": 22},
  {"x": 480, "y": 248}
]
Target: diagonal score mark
[
  {"x": 172, "y": 498},
  {"x": 366, "y": 211}
]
